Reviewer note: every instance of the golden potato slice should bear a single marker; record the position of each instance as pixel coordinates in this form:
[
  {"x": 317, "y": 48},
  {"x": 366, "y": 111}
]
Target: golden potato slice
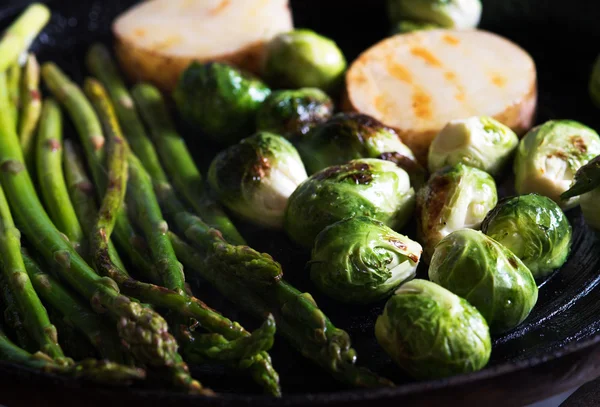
[
  {"x": 418, "y": 82},
  {"x": 156, "y": 40}
]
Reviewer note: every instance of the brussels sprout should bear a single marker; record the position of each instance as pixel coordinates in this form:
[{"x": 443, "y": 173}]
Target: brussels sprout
[
  {"x": 292, "y": 113},
  {"x": 407, "y": 26},
  {"x": 534, "y": 228},
  {"x": 361, "y": 260},
  {"x": 348, "y": 136},
  {"x": 549, "y": 156},
  {"x": 365, "y": 187},
  {"x": 590, "y": 209},
  {"x": 304, "y": 59},
  {"x": 255, "y": 177},
  {"x": 431, "y": 333},
  {"x": 587, "y": 185},
  {"x": 488, "y": 275},
  {"x": 459, "y": 14},
  {"x": 594, "y": 85},
  {"x": 454, "y": 198},
  {"x": 480, "y": 142},
  {"x": 219, "y": 100},
  {"x": 416, "y": 173}
]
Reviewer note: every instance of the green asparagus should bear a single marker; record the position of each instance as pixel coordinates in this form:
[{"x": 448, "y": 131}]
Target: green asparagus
[
  {"x": 104, "y": 372},
  {"x": 13, "y": 319},
  {"x": 19, "y": 35},
  {"x": 89, "y": 323},
  {"x": 74, "y": 344},
  {"x": 50, "y": 174},
  {"x": 172, "y": 149},
  {"x": 31, "y": 107},
  {"x": 14, "y": 89}
]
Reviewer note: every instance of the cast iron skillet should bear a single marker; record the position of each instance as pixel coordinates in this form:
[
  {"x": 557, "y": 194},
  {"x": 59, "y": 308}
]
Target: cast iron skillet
[{"x": 557, "y": 348}]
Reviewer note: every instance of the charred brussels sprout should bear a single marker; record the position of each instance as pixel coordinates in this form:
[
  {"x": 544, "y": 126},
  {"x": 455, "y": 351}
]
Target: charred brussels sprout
[
  {"x": 293, "y": 113},
  {"x": 432, "y": 333},
  {"x": 488, "y": 275},
  {"x": 255, "y": 177},
  {"x": 348, "y": 136},
  {"x": 549, "y": 156},
  {"x": 454, "y": 198},
  {"x": 304, "y": 59},
  {"x": 534, "y": 228},
  {"x": 459, "y": 14},
  {"x": 368, "y": 187},
  {"x": 361, "y": 260},
  {"x": 219, "y": 100},
  {"x": 587, "y": 185},
  {"x": 480, "y": 142}
]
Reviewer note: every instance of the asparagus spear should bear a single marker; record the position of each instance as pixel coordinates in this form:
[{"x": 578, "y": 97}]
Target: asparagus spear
[
  {"x": 19, "y": 35},
  {"x": 14, "y": 85},
  {"x": 90, "y": 132},
  {"x": 142, "y": 329},
  {"x": 298, "y": 318},
  {"x": 50, "y": 174},
  {"x": 31, "y": 107},
  {"x": 90, "y": 324},
  {"x": 13, "y": 319},
  {"x": 179, "y": 163},
  {"x": 104, "y": 372}
]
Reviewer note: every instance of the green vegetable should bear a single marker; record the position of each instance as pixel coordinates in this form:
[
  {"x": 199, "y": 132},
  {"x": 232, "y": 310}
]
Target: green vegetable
[
  {"x": 348, "y": 136},
  {"x": 255, "y": 177},
  {"x": 365, "y": 187},
  {"x": 480, "y": 142},
  {"x": 431, "y": 333},
  {"x": 550, "y": 155},
  {"x": 589, "y": 207},
  {"x": 293, "y": 113},
  {"x": 31, "y": 107},
  {"x": 49, "y": 165},
  {"x": 304, "y": 59},
  {"x": 594, "y": 83},
  {"x": 488, "y": 275},
  {"x": 360, "y": 260},
  {"x": 13, "y": 77},
  {"x": 534, "y": 228},
  {"x": 219, "y": 100},
  {"x": 458, "y": 14},
  {"x": 408, "y": 26},
  {"x": 587, "y": 186},
  {"x": 19, "y": 35},
  {"x": 454, "y": 198}
]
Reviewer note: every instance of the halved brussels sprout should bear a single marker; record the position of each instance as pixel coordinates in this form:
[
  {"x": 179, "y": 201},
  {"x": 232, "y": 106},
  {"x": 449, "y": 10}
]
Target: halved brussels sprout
[
  {"x": 348, "y": 136},
  {"x": 361, "y": 260},
  {"x": 534, "y": 228},
  {"x": 366, "y": 187},
  {"x": 480, "y": 142},
  {"x": 454, "y": 198},
  {"x": 549, "y": 156},
  {"x": 255, "y": 177},
  {"x": 460, "y": 14},
  {"x": 488, "y": 275},
  {"x": 431, "y": 333},
  {"x": 292, "y": 113},
  {"x": 304, "y": 59},
  {"x": 219, "y": 100}
]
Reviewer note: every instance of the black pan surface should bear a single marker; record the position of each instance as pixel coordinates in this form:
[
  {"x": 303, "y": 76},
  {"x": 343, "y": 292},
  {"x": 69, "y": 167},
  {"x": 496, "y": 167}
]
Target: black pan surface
[{"x": 556, "y": 348}]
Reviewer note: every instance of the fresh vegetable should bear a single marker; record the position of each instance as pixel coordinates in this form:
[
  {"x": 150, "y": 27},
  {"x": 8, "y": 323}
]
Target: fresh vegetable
[
  {"x": 220, "y": 100},
  {"x": 431, "y": 333},
  {"x": 550, "y": 155},
  {"x": 369, "y": 187},
  {"x": 49, "y": 165},
  {"x": 304, "y": 59},
  {"x": 255, "y": 177},
  {"x": 13, "y": 77},
  {"x": 454, "y": 198},
  {"x": 488, "y": 275},
  {"x": 360, "y": 260},
  {"x": 418, "y": 82},
  {"x": 348, "y": 136},
  {"x": 534, "y": 228},
  {"x": 31, "y": 107},
  {"x": 480, "y": 142},
  {"x": 587, "y": 185},
  {"x": 157, "y": 41},
  {"x": 459, "y": 14},
  {"x": 178, "y": 162},
  {"x": 293, "y": 113}
]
